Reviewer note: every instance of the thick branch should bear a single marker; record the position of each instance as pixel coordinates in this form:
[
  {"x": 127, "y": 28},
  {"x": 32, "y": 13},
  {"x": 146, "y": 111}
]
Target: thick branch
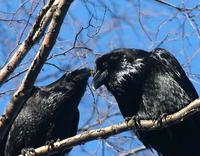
[
  {"x": 25, "y": 88},
  {"x": 34, "y": 36},
  {"x": 102, "y": 133}
]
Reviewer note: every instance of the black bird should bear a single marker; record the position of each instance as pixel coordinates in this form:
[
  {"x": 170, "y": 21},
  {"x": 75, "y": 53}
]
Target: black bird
[
  {"x": 50, "y": 113},
  {"x": 150, "y": 85}
]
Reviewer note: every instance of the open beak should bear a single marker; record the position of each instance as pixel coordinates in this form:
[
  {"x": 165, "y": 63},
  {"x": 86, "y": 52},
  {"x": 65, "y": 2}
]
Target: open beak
[{"x": 99, "y": 79}]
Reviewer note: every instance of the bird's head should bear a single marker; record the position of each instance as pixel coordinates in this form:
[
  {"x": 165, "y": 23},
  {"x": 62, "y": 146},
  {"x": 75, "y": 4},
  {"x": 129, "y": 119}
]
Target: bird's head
[
  {"x": 116, "y": 67},
  {"x": 105, "y": 65},
  {"x": 78, "y": 75},
  {"x": 77, "y": 79},
  {"x": 70, "y": 82}
]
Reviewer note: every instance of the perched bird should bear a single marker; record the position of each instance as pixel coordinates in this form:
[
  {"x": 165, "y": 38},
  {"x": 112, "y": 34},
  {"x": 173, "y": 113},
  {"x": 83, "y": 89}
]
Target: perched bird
[
  {"x": 149, "y": 85},
  {"x": 50, "y": 113}
]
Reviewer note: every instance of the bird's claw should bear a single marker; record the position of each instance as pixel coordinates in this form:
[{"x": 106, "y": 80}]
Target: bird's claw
[
  {"x": 50, "y": 144},
  {"x": 28, "y": 151},
  {"x": 159, "y": 120},
  {"x": 136, "y": 120}
]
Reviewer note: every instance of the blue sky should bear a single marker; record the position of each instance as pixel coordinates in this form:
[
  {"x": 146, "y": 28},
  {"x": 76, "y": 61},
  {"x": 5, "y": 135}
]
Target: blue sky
[{"x": 144, "y": 24}]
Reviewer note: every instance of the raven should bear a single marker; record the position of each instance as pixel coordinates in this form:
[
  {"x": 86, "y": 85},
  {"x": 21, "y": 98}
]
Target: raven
[
  {"x": 50, "y": 113},
  {"x": 150, "y": 85}
]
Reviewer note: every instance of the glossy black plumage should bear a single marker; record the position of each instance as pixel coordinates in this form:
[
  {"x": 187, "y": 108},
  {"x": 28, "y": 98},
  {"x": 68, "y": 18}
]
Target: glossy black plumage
[
  {"x": 150, "y": 84},
  {"x": 50, "y": 113}
]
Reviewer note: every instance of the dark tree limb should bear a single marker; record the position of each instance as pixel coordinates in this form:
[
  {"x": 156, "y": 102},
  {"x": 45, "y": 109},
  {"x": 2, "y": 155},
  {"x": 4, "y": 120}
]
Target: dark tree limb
[
  {"x": 24, "y": 90},
  {"x": 106, "y": 132}
]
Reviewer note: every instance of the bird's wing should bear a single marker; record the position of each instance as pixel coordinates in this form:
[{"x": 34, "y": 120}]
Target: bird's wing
[
  {"x": 172, "y": 66},
  {"x": 11, "y": 136}
]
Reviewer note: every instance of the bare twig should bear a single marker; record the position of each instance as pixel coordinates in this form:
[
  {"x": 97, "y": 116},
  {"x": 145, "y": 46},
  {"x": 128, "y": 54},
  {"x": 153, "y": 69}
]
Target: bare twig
[
  {"x": 106, "y": 132},
  {"x": 7, "y": 91},
  {"x": 133, "y": 151},
  {"x": 66, "y": 51},
  {"x": 54, "y": 65},
  {"x": 173, "y": 6},
  {"x": 140, "y": 22},
  {"x": 16, "y": 75}
]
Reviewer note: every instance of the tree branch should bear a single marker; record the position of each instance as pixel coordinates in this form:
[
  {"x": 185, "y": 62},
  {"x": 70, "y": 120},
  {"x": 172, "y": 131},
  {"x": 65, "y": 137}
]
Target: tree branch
[
  {"x": 103, "y": 133},
  {"x": 23, "y": 92},
  {"x": 34, "y": 36}
]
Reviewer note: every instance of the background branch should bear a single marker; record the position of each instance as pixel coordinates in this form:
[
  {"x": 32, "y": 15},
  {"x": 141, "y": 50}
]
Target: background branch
[{"x": 34, "y": 36}]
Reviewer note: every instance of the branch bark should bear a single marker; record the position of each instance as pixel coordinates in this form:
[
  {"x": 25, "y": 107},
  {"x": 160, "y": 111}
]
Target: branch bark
[
  {"x": 23, "y": 92},
  {"x": 35, "y": 34},
  {"x": 106, "y": 132}
]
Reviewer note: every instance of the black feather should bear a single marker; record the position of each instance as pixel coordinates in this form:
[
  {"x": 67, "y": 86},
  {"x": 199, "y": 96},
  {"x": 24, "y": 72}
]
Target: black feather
[
  {"x": 150, "y": 84},
  {"x": 50, "y": 113}
]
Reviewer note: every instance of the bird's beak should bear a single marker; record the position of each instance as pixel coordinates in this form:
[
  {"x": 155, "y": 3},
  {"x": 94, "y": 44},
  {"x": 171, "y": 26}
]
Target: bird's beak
[{"x": 99, "y": 79}]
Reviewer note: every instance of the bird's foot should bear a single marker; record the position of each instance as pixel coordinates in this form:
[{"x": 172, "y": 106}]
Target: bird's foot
[
  {"x": 136, "y": 119},
  {"x": 28, "y": 152},
  {"x": 159, "y": 120},
  {"x": 50, "y": 144}
]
